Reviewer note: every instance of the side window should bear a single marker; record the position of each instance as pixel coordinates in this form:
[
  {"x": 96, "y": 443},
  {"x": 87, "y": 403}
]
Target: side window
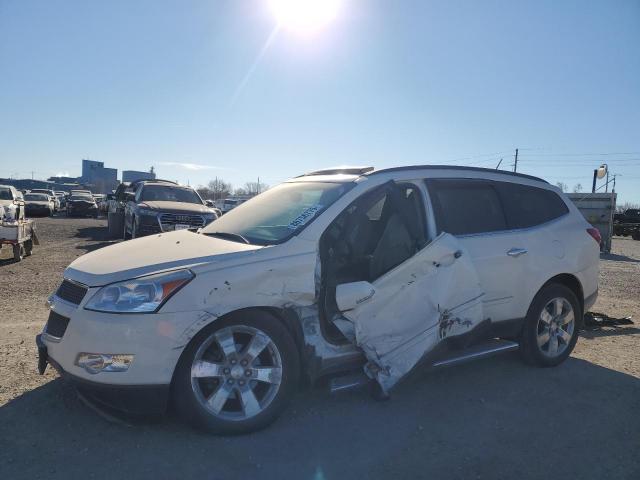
[
  {"x": 527, "y": 206},
  {"x": 139, "y": 194},
  {"x": 374, "y": 234},
  {"x": 464, "y": 207}
]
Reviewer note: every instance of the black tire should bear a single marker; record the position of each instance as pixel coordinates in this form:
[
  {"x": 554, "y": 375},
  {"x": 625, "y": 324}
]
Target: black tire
[
  {"x": 530, "y": 352},
  {"x": 635, "y": 235},
  {"x": 28, "y": 248},
  {"x": 18, "y": 252},
  {"x": 134, "y": 228},
  {"x": 185, "y": 399}
]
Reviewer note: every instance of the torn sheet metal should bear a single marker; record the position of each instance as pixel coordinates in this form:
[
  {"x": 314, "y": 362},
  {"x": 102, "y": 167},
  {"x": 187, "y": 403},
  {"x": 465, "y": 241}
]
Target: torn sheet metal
[{"x": 434, "y": 295}]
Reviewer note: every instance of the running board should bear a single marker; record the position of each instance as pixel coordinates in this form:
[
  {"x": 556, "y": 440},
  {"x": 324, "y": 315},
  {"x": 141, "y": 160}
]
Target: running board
[{"x": 476, "y": 352}]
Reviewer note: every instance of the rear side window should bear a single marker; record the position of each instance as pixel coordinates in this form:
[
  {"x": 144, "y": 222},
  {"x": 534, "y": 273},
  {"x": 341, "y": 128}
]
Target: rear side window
[
  {"x": 527, "y": 206},
  {"x": 464, "y": 207}
]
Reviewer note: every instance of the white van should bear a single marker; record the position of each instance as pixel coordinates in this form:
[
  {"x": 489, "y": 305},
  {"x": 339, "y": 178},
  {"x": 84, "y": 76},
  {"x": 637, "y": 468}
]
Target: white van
[{"x": 335, "y": 271}]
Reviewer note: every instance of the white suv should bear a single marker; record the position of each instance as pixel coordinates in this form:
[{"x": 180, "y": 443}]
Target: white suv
[{"x": 335, "y": 271}]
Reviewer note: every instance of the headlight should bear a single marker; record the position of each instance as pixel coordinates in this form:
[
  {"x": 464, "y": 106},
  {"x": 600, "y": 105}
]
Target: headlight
[
  {"x": 140, "y": 295},
  {"x": 146, "y": 211}
]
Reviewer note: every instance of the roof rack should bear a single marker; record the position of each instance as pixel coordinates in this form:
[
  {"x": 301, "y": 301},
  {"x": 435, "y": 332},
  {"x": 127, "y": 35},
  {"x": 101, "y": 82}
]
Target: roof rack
[
  {"x": 454, "y": 167},
  {"x": 345, "y": 170},
  {"x": 149, "y": 180}
]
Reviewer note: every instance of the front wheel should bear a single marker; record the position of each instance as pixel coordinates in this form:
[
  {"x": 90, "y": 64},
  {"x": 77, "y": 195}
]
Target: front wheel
[
  {"x": 551, "y": 327},
  {"x": 237, "y": 375}
]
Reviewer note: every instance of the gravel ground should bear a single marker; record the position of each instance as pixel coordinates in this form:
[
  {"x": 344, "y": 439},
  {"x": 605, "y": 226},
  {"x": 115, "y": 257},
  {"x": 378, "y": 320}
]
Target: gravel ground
[{"x": 495, "y": 418}]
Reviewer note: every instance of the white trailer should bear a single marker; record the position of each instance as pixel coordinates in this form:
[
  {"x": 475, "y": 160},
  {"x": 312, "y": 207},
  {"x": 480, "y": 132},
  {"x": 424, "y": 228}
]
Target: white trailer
[{"x": 21, "y": 235}]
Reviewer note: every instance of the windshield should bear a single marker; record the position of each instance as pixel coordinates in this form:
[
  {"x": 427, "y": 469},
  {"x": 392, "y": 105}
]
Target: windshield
[
  {"x": 86, "y": 198},
  {"x": 38, "y": 197},
  {"x": 164, "y": 193},
  {"x": 277, "y": 214}
]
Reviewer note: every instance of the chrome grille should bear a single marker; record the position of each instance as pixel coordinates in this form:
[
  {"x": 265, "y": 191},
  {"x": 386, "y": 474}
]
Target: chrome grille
[
  {"x": 71, "y": 292},
  {"x": 194, "y": 221}
]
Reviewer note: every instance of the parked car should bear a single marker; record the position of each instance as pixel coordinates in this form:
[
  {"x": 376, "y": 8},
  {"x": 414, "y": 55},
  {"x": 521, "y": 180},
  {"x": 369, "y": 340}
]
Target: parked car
[
  {"x": 229, "y": 204},
  {"x": 62, "y": 199},
  {"x": 103, "y": 205},
  {"x": 12, "y": 198},
  {"x": 155, "y": 206},
  {"x": 38, "y": 205},
  {"x": 51, "y": 193},
  {"x": 332, "y": 271},
  {"x": 82, "y": 205}
]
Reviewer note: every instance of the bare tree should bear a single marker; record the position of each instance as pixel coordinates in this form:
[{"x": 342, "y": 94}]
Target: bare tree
[
  {"x": 621, "y": 207},
  {"x": 254, "y": 188},
  {"x": 562, "y": 186},
  {"x": 220, "y": 188},
  {"x": 577, "y": 188}
]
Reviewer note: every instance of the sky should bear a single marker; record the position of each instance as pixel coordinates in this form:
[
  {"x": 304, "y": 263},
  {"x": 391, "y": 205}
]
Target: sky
[{"x": 228, "y": 89}]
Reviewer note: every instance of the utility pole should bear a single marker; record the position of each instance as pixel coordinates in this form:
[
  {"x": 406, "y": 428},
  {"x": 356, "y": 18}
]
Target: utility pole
[
  {"x": 258, "y": 186},
  {"x": 515, "y": 165}
]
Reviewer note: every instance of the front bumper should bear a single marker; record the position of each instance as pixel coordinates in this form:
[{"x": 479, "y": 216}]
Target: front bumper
[{"x": 130, "y": 399}]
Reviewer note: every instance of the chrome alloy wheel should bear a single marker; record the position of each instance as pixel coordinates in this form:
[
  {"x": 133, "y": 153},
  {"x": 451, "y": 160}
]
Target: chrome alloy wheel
[
  {"x": 236, "y": 373},
  {"x": 556, "y": 325}
]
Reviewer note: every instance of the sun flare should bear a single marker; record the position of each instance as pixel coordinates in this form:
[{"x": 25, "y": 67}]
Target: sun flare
[{"x": 305, "y": 16}]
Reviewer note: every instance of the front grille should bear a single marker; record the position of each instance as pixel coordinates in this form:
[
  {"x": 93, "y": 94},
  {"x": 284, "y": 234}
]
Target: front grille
[
  {"x": 56, "y": 325},
  {"x": 194, "y": 221},
  {"x": 71, "y": 292}
]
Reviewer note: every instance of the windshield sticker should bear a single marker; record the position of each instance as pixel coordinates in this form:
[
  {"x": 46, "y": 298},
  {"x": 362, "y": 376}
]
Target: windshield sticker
[{"x": 304, "y": 217}]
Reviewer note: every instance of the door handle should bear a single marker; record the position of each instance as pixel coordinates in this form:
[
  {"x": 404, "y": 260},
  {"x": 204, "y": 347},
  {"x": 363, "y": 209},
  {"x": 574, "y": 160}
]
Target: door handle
[{"x": 516, "y": 252}]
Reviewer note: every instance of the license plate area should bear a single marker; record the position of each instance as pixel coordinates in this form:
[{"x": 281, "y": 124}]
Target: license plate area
[{"x": 182, "y": 226}]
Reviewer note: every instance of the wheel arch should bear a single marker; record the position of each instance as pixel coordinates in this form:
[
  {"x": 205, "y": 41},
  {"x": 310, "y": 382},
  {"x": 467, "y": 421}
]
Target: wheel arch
[
  {"x": 286, "y": 316},
  {"x": 572, "y": 283}
]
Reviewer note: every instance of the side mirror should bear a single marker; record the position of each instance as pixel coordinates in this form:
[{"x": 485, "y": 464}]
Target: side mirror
[
  {"x": 350, "y": 295},
  {"x": 209, "y": 203},
  {"x": 129, "y": 196}
]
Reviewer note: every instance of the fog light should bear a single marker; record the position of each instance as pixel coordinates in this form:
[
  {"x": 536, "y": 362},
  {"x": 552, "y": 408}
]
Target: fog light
[{"x": 104, "y": 362}]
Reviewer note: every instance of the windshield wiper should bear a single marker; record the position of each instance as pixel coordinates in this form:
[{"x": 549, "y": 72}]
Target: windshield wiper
[{"x": 230, "y": 235}]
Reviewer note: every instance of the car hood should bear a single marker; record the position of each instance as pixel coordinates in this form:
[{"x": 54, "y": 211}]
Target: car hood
[
  {"x": 152, "y": 254},
  {"x": 176, "y": 207}
]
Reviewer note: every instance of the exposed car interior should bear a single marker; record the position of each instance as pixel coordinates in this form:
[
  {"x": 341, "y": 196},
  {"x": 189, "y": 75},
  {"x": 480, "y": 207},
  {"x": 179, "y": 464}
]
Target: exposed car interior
[{"x": 377, "y": 232}]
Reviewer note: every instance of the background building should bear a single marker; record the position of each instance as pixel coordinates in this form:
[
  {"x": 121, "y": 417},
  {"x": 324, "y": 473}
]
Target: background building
[
  {"x": 97, "y": 177},
  {"x": 132, "y": 175}
]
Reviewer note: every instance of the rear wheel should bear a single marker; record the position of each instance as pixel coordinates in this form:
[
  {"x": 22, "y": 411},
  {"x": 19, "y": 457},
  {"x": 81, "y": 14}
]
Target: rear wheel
[
  {"x": 551, "y": 328},
  {"x": 237, "y": 375},
  {"x": 28, "y": 247},
  {"x": 18, "y": 252}
]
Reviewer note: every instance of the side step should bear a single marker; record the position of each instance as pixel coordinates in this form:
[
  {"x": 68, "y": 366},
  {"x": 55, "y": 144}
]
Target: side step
[
  {"x": 456, "y": 357},
  {"x": 476, "y": 352}
]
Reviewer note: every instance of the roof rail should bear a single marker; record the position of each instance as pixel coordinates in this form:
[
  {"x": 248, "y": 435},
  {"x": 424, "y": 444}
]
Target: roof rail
[
  {"x": 455, "y": 167},
  {"x": 346, "y": 170}
]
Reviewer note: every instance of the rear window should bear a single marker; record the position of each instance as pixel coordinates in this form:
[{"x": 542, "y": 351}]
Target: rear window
[
  {"x": 464, "y": 207},
  {"x": 527, "y": 206}
]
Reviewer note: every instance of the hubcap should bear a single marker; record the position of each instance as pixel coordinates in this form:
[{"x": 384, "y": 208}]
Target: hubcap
[
  {"x": 236, "y": 373},
  {"x": 556, "y": 325}
]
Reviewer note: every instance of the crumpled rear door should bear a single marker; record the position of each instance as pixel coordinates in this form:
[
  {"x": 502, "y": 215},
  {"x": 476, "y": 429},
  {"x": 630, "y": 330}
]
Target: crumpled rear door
[{"x": 431, "y": 296}]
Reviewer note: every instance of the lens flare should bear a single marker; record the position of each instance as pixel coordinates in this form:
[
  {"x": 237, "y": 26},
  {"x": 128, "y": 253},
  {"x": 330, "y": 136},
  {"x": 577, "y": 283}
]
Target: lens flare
[{"x": 305, "y": 16}]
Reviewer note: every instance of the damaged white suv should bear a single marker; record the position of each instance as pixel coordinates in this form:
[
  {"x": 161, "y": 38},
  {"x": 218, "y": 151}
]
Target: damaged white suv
[{"x": 332, "y": 272}]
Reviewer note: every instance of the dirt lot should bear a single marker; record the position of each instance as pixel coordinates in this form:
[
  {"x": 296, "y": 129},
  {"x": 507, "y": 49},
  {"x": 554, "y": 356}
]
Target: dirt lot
[{"x": 491, "y": 419}]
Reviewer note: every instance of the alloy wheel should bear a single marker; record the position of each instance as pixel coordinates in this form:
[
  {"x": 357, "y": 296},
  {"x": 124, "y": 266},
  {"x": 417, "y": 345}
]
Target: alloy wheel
[
  {"x": 236, "y": 372},
  {"x": 556, "y": 325}
]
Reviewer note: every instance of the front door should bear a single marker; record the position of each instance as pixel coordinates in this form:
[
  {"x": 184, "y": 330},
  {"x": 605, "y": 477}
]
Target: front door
[{"x": 406, "y": 312}]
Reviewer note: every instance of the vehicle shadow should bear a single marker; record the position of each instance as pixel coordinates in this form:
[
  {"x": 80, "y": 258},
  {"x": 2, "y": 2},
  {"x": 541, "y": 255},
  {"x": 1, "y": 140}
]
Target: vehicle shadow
[
  {"x": 618, "y": 258},
  {"x": 609, "y": 332},
  {"x": 98, "y": 234},
  {"x": 495, "y": 418}
]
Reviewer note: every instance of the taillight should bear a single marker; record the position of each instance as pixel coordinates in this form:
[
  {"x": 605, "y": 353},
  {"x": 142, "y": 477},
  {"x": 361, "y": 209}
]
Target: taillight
[{"x": 595, "y": 234}]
